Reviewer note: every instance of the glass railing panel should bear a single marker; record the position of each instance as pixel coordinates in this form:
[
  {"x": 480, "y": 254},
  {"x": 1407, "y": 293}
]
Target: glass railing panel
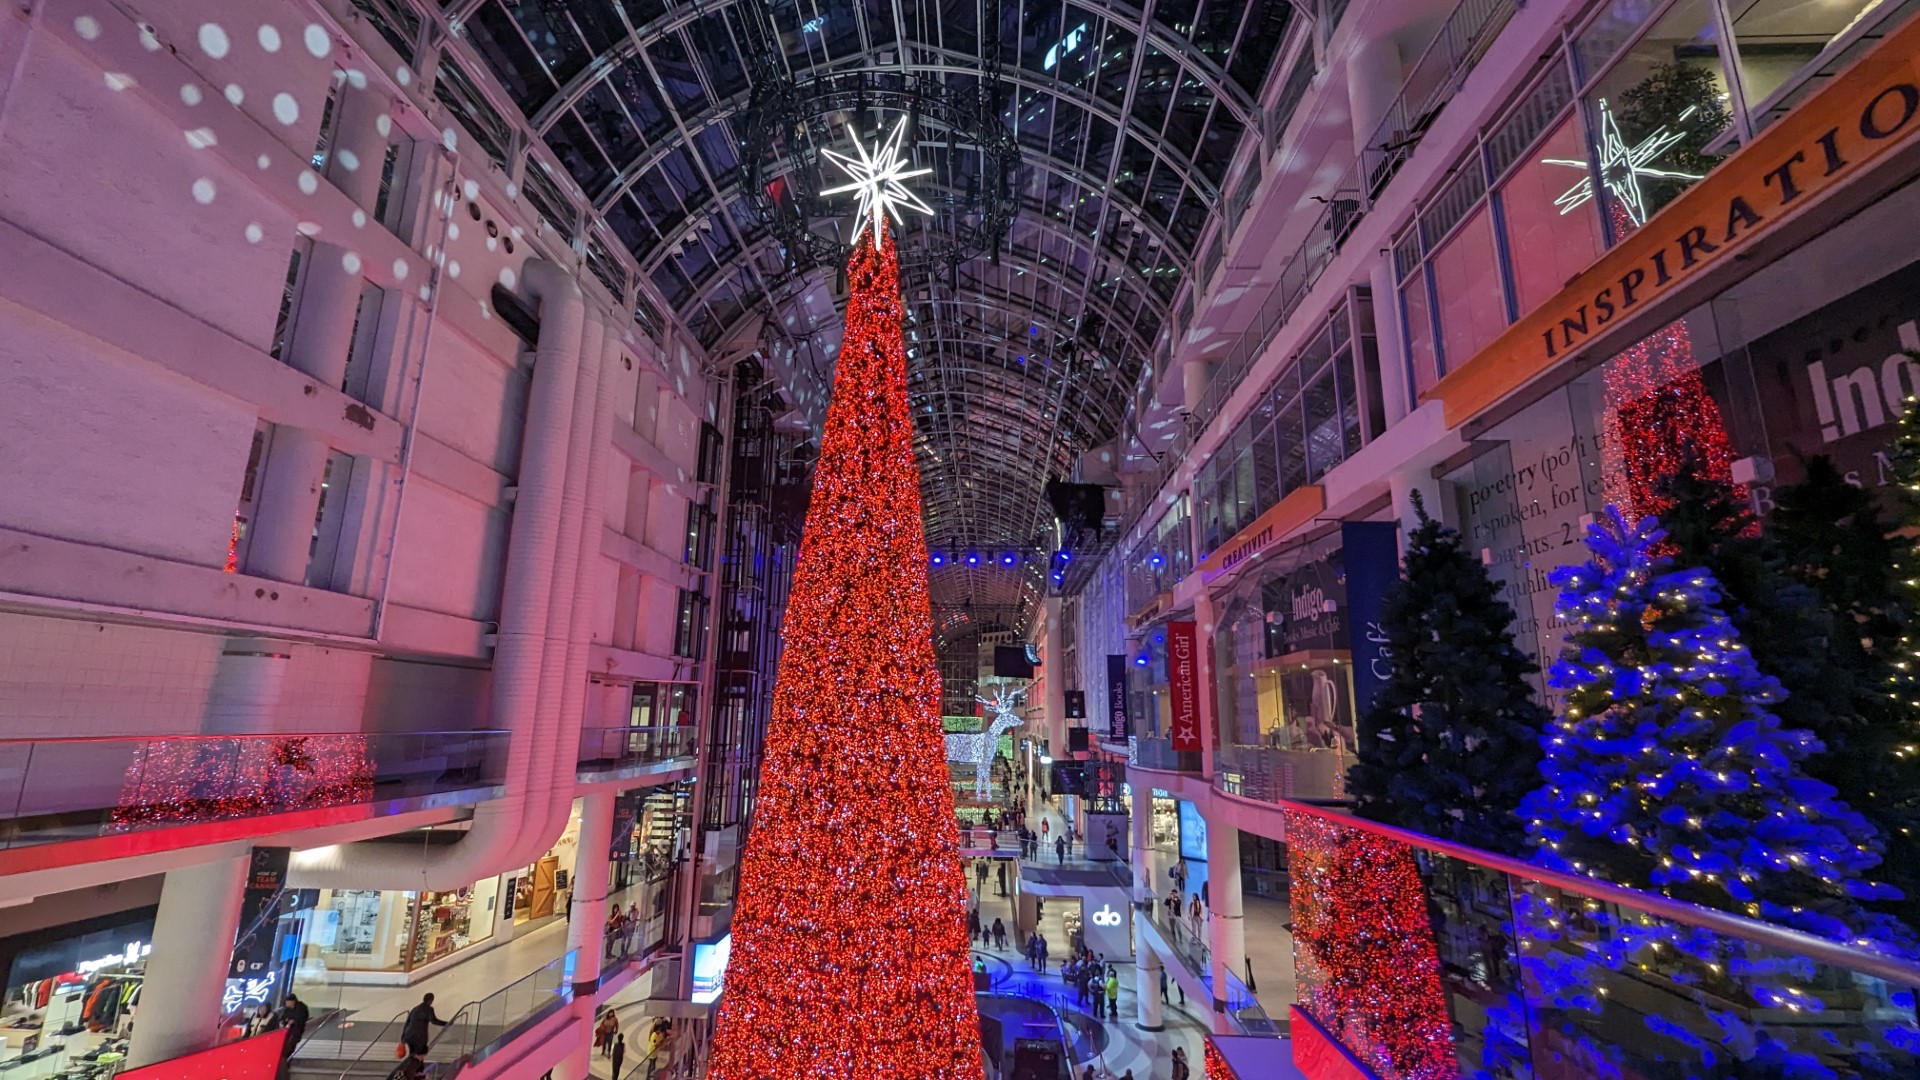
[
  {"x": 72, "y": 789},
  {"x": 604, "y": 748},
  {"x": 1429, "y": 962},
  {"x": 1271, "y": 775},
  {"x": 1622, "y": 991},
  {"x": 1157, "y": 752}
]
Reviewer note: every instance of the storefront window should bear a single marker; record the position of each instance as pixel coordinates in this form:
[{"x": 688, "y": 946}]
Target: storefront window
[
  {"x": 1466, "y": 278},
  {"x": 1777, "y": 38},
  {"x": 1282, "y": 663},
  {"x": 446, "y": 922},
  {"x": 1553, "y": 233},
  {"x": 1661, "y": 114}
]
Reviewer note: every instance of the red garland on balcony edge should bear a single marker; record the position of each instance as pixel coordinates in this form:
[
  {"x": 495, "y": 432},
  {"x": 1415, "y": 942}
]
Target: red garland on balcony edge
[{"x": 850, "y": 955}]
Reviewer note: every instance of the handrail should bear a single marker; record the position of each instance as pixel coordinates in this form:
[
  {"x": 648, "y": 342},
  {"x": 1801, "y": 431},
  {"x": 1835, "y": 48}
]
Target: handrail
[
  {"x": 378, "y": 1039},
  {"x": 1879, "y": 965},
  {"x": 1460, "y": 42},
  {"x": 264, "y": 735},
  {"x": 477, "y": 1006}
]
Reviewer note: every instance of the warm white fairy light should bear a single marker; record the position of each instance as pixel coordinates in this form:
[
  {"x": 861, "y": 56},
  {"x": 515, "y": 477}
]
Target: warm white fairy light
[{"x": 877, "y": 179}]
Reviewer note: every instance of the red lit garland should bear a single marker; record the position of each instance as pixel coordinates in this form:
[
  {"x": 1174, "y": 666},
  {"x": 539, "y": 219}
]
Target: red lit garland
[
  {"x": 1368, "y": 969},
  {"x": 1213, "y": 1065},
  {"x": 1660, "y": 416},
  {"x": 187, "y": 781},
  {"x": 850, "y": 957}
]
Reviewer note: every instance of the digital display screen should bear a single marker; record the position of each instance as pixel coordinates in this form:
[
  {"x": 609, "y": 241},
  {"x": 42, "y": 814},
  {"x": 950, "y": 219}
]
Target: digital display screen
[
  {"x": 710, "y": 969},
  {"x": 1193, "y": 832}
]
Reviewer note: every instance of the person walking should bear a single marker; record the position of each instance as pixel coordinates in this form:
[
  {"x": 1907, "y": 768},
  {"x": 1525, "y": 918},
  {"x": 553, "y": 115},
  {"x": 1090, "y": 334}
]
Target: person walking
[
  {"x": 999, "y": 934},
  {"x": 1060, "y": 848},
  {"x": 613, "y": 931},
  {"x": 973, "y": 923},
  {"x": 414, "y": 1031},
  {"x": 294, "y": 1016},
  {"x": 1180, "y": 1070},
  {"x": 619, "y": 1054},
  {"x": 1000, "y": 869},
  {"x": 979, "y": 876},
  {"x": 1113, "y": 993},
  {"x": 1033, "y": 951},
  {"x": 1163, "y": 986},
  {"x": 1193, "y": 916},
  {"x": 613, "y": 1032},
  {"x": 1043, "y": 952}
]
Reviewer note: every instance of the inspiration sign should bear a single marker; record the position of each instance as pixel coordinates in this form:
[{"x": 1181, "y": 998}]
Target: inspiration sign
[{"x": 1183, "y": 685}]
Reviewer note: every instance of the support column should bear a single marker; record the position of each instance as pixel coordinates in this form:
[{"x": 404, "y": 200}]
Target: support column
[
  {"x": 586, "y": 930},
  {"x": 319, "y": 344},
  {"x": 1226, "y": 925},
  {"x": 1374, "y": 80},
  {"x": 1056, "y": 674},
  {"x": 1141, "y": 820},
  {"x": 193, "y": 936},
  {"x": 578, "y": 1064},
  {"x": 1146, "y": 988},
  {"x": 1403, "y": 484}
]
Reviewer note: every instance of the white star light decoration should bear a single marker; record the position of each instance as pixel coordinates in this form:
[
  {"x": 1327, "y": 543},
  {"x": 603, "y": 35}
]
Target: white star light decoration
[
  {"x": 877, "y": 180},
  {"x": 1622, "y": 166}
]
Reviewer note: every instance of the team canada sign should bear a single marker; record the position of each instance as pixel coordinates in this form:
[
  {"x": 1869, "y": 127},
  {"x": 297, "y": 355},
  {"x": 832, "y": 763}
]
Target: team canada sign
[{"x": 1869, "y": 111}]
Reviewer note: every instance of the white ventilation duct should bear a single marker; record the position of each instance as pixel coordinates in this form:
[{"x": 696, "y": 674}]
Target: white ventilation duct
[{"x": 503, "y": 827}]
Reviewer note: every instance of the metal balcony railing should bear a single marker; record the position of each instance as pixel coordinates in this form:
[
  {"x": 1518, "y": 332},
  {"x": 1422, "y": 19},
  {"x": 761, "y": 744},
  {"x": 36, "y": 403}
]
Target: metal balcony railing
[
  {"x": 54, "y": 790},
  {"x": 1458, "y": 46}
]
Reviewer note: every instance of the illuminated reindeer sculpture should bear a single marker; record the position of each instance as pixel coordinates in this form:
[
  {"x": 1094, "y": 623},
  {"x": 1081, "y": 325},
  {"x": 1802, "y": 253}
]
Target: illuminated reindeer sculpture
[{"x": 978, "y": 746}]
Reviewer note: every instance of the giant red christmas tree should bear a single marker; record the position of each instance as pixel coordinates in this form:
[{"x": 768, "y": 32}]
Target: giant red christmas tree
[{"x": 850, "y": 956}]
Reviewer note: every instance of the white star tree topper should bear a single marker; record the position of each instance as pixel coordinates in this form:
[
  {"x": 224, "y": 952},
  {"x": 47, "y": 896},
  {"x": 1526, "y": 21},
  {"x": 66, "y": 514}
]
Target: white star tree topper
[{"x": 877, "y": 179}]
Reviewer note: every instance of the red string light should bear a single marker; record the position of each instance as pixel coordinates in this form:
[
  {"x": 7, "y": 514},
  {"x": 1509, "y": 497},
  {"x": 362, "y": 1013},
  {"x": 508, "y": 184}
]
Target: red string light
[
  {"x": 1660, "y": 416},
  {"x": 1213, "y": 1065},
  {"x": 188, "y": 781},
  {"x": 850, "y": 955},
  {"x": 1364, "y": 950}
]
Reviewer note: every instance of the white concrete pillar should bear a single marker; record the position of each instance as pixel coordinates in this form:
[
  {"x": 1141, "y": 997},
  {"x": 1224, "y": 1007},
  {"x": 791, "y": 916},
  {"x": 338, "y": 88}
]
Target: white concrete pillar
[
  {"x": 319, "y": 344},
  {"x": 1141, "y": 820},
  {"x": 578, "y": 1064},
  {"x": 1226, "y": 925},
  {"x": 1146, "y": 988},
  {"x": 193, "y": 935},
  {"x": 1195, "y": 377},
  {"x": 1056, "y": 674},
  {"x": 587, "y": 930},
  {"x": 1403, "y": 483},
  {"x": 1374, "y": 80},
  {"x": 1390, "y": 340}
]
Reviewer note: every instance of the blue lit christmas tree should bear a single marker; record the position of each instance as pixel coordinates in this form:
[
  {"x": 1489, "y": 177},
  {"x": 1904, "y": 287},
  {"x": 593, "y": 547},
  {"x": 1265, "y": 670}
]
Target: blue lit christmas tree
[{"x": 1670, "y": 771}]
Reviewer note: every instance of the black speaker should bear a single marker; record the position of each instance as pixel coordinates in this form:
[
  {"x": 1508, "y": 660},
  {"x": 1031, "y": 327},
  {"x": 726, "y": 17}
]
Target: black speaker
[
  {"x": 1076, "y": 704},
  {"x": 1010, "y": 662},
  {"x": 1077, "y": 740}
]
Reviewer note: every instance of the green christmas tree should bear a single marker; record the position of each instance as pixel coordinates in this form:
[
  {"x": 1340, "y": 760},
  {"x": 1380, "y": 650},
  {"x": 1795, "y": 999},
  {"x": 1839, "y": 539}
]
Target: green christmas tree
[
  {"x": 1452, "y": 741},
  {"x": 1810, "y": 598},
  {"x": 1671, "y": 771}
]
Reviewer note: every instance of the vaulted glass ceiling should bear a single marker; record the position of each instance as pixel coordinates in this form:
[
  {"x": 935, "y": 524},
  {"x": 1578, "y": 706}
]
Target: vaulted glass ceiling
[{"x": 1127, "y": 122}]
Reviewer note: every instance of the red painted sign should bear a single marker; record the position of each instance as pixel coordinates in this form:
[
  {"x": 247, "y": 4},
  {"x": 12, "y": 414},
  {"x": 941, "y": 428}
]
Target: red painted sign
[{"x": 1183, "y": 690}]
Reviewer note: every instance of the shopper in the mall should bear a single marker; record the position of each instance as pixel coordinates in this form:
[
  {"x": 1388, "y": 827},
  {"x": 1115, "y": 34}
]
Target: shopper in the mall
[
  {"x": 1113, "y": 992},
  {"x": 999, "y": 934},
  {"x": 619, "y": 1054},
  {"x": 262, "y": 1021},
  {"x": 414, "y": 1031}
]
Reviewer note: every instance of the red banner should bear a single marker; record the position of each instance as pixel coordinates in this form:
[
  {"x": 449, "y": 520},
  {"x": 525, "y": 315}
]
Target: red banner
[{"x": 1183, "y": 690}]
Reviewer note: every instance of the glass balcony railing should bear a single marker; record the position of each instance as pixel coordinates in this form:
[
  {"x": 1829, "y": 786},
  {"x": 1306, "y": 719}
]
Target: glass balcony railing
[
  {"x": 481, "y": 1027},
  {"x": 1427, "y": 959},
  {"x": 1273, "y": 775},
  {"x": 611, "y": 749},
  {"x": 54, "y": 790},
  {"x": 1187, "y": 936},
  {"x": 1157, "y": 752}
]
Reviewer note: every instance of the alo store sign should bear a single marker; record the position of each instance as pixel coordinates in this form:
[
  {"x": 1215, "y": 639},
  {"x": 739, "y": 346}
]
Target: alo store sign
[
  {"x": 1837, "y": 381},
  {"x": 1870, "y": 110}
]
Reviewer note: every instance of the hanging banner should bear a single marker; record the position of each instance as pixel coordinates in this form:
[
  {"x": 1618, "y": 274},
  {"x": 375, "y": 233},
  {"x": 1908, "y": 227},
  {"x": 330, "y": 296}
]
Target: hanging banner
[
  {"x": 1183, "y": 686},
  {"x": 1372, "y": 553},
  {"x": 1117, "y": 726}
]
